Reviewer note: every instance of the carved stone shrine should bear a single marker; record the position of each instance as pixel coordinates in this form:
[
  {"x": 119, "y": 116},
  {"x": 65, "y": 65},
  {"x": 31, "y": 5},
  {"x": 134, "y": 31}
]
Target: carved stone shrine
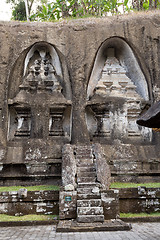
[{"x": 70, "y": 95}]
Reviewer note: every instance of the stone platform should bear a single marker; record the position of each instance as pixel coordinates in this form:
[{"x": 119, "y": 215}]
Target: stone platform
[{"x": 108, "y": 225}]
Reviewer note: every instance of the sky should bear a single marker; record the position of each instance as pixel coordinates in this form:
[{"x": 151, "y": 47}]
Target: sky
[{"x": 5, "y": 11}]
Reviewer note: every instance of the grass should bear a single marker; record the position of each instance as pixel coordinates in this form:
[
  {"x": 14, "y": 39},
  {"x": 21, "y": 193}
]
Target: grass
[
  {"x": 131, "y": 215},
  {"x": 134, "y": 185},
  {"x": 57, "y": 188},
  {"x": 31, "y": 217},
  {"x": 30, "y": 188}
]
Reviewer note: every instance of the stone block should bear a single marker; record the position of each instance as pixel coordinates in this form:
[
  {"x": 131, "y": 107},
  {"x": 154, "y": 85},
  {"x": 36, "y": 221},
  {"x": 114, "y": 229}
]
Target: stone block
[
  {"x": 15, "y": 155},
  {"x": 86, "y": 174},
  {"x": 86, "y": 179},
  {"x": 89, "y": 196},
  {"x": 90, "y": 218},
  {"x": 110, "y": 203},
  {"x": 90, "y": 210},
  {"x": 84, "y": 190},
  {"x": 88, "y": 185},
  {"x": 67, "y": 204},
  {"x": 89, "y": 203}
]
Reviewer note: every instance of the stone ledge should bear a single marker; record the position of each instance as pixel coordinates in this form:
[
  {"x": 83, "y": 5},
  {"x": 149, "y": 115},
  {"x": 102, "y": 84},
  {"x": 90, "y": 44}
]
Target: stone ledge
[
  {"x": 27, "y": 223},
  {"x": 109, "y": 225}
]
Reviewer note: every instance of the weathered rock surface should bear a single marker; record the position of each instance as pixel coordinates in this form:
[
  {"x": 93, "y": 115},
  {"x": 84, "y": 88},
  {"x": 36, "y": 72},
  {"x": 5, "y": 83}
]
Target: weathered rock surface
[{"x": 79, "y": 46}]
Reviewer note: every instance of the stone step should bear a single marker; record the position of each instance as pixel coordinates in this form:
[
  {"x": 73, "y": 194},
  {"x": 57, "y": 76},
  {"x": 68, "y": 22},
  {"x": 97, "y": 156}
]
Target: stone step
[
  {"x": 85, "y": 165},
  {"x": 83, "y": 148},
  {"x": 86, "y": 179},
  {"x": 81, "y": 156},
  {"x": 89, "y": 203},
  {"x": 84, "y": 161},
  {"x": 88, "y": 185},
  {"x": 89, "y": 210},
  {"x": 84, "y": 153},
  {"x": 90, "y": 196},
  {"x": 90, "y": 218},
  {"x": 86, "y": 169},
  {"x": 86, "y": 174},
  {"x": 87, "y": 190}
]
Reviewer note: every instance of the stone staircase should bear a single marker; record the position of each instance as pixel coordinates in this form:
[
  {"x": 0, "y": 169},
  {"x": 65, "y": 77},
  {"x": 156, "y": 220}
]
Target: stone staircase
[{"x": 89, "y": 204}]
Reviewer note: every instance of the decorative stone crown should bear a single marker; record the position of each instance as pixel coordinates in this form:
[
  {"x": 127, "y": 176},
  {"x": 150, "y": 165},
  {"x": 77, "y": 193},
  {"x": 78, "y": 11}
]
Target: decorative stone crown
[
  {"x": 41, "y": 76},
  {"x": 114, "y": 81}
]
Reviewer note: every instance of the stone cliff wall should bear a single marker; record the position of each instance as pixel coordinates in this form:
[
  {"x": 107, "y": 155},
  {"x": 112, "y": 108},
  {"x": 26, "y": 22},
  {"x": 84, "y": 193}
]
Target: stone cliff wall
[{"x": 79, "y": 102}]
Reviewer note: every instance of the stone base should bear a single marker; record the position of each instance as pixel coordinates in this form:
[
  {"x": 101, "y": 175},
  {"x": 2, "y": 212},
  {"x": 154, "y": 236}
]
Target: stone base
[{"x": 108, "y": 225}]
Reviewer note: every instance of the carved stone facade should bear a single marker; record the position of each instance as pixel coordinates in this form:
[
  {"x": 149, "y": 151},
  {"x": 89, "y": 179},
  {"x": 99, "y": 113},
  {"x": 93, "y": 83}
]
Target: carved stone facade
[
  {"x": 78, "y": 83},
  {"x": 116, "y": 104},
  {"x": 39, "y": 112}
]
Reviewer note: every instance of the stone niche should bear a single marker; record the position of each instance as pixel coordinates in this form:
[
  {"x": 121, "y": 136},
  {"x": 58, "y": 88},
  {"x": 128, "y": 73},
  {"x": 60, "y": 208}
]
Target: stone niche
[
  {"x": 39, "y": 109},
  {"x": 117, "y": 93}
]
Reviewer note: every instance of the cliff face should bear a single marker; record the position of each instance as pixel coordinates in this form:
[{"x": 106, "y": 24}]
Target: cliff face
[{"x": 80, "y": 45}]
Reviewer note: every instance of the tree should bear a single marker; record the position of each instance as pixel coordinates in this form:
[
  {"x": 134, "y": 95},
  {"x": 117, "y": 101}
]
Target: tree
[
  {"x": 16, "y": 2},
  {"x": 140, "y": 5},
  {"x": 19, "y": 10}
]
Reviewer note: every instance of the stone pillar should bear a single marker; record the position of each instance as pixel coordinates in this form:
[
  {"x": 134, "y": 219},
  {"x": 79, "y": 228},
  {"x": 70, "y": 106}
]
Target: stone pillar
[
  {"x": 67, "y": 205},
  {"x": 110, "y": 203}
]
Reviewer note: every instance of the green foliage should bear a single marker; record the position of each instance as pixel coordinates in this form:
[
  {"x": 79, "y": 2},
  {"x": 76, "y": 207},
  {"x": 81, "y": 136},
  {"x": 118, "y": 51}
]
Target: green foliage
[
  {"x": 46, "y": 13},
  {"x": 19, "y": 12},
  {"x": 73, "y": 9},
  {"x": 134, "y": 185},
  {"x": 132, "y": 215},
  {"x": 31, "y": 188},
  {"x": 61, "y": 9},
  {"x": 146, "y": 5},
  {"x": 30, "y": 217}
]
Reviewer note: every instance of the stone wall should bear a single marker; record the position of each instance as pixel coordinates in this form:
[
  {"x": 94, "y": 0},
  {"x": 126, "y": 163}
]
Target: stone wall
[
  {"x": 131, "y": 200},
  {"x": 22, "y": 202},
  {"x": 76, "y": 102},
  {"x": 138, "y": 200}
]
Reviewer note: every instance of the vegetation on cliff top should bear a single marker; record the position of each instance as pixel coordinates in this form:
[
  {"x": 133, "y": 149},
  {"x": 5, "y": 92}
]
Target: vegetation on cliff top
[{"x": 52, "y": 10}]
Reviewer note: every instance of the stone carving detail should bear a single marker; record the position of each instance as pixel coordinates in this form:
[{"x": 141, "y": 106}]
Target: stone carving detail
[
  {"x": 19, "y": 122},
  {"x": 114, "y": 81},
  {"x": 116, "y": 103},
  {"x": 41, "y": 75},
  {"x": 41, "y": 92},
  {"x": 23, "y": 123},
  {"x": 56, "y": 122},
  {"x": 103, "y": 124}
]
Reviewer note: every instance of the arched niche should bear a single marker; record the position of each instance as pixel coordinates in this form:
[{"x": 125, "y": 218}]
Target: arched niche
[
  {"x": 39, "y": 96},
  {"x": 117, "y": 92},
  {"x": 128, "y": 61},
  {"x": 26, "y": 59}
]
